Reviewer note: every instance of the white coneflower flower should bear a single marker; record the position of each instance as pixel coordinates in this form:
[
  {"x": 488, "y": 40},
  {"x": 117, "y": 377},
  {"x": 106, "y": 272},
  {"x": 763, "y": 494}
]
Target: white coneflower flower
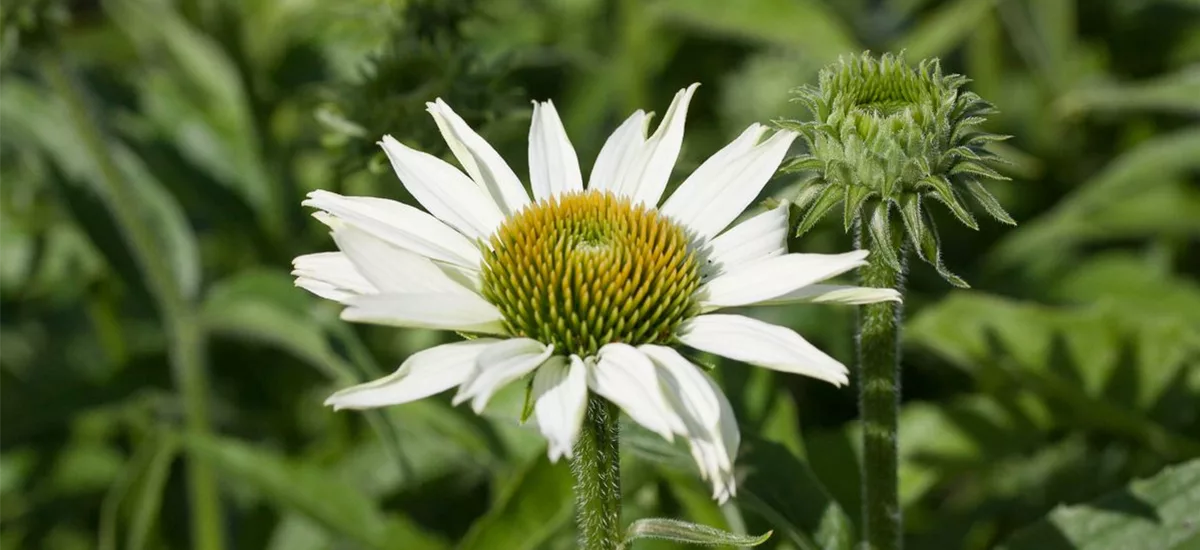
[{"x": 580, "y": 288}]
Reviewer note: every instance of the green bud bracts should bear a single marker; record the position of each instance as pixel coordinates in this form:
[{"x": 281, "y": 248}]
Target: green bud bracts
[
  {"x": 585, "y": 269},
  {"x": 885, "y": 138}
]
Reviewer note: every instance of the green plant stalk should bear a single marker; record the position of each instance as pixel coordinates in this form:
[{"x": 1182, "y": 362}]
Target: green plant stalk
[
  {"x": 879, "y": 397},
  {"x": 597, "y": 469},
  {"x": 184, "y": 335}
]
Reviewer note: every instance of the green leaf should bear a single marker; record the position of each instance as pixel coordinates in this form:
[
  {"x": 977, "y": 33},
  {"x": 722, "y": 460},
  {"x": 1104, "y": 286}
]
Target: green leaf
[
  {"x": 686, "y": 533},
  {"x": 944, "y": 29},
  {"x": 535, "y": 504},
  {"x": 1159, "y": 513},
  {"x": 309, "y": 489},
  {"x": 783, "y": 490},
  {"x": 805, "y": 24}
]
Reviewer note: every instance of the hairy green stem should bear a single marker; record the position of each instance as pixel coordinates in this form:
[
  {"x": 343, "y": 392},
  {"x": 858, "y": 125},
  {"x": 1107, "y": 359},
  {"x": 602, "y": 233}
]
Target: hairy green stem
[
  {"x": 597, "y": 468},
  {"x": 185, "y": 336},
  {"x": 879, "y": 397}
]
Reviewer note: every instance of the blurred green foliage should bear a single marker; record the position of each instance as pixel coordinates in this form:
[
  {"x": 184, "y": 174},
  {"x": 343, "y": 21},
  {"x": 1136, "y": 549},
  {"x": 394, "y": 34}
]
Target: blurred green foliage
[{"x": 162, "y": 380}]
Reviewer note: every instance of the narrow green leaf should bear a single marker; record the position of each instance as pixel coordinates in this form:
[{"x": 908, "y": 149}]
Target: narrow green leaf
[
  {"x": 1159, "y": 513},
  {"x": 312, "y": 491},
  {"x": 534, "y": 505},
  {"x": 687, "y": 533}
]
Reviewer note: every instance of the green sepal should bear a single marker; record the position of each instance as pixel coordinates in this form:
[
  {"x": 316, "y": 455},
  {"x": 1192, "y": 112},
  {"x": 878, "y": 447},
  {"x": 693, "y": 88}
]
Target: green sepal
[
  {"x": 914, "y": 222},
  {"x": 801, "y": 164},
  {"x": 527, "y": 407},
  {"x": 880, "y": 230},
  {"x": 931, "y": 251},
  {"x": 825, "y": 202},
  {"x": 856, "y": 195},
  {"x": 944, "y": 192},
  {"x": 687, "y": 533},
  {"x": 977, "y": 169},
  {"x": 988, "y": 202}
]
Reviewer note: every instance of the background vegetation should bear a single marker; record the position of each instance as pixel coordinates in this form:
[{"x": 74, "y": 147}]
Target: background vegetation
[{"x": 155, "y": 154}]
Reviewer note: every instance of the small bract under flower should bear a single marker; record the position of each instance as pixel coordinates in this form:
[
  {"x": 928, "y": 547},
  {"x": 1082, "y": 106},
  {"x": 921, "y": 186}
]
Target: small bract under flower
[{"x": 579, "y": 291}]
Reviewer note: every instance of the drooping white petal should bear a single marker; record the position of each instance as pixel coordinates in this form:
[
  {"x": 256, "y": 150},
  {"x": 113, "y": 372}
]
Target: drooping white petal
[
  {"x": 330, "y": 275},
  {"x": 758, "y": 238},
  {"x": 711, "y": 428},
  {"x": 485, "y": 166},
  {"x": 837, "y": 294},
  {"x": 400, "y": 224},
  {"x": 625, "y": 376},
  {"x": 443, "y": 190},
  {"x": 619, "y": 151},
  {"x": 424, "y": 373},
  {"x": 762, "y": 344},
  {"x": 643, "y": 172},
  {"x": 773, "y": 277},
  {"x": 464, "y": 312},
  {"x": 390, "y": 269},
  {"x": 725, "y": 184},
  {"x": 499, "y": 365},
  {"x": 559, "y": 401},
  {"x": 553, "y": 164}
]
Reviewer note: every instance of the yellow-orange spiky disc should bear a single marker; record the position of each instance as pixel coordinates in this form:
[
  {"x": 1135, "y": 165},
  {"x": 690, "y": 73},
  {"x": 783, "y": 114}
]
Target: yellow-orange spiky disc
[{"x": 588, "y": 268}]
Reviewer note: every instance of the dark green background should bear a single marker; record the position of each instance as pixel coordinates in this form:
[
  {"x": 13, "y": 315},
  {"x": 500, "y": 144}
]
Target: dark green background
[{"x": 1070, "y": 369}]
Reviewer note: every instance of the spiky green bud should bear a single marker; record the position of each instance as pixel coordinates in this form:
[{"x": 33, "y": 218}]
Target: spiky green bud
[{"x": 885, "y": 138}]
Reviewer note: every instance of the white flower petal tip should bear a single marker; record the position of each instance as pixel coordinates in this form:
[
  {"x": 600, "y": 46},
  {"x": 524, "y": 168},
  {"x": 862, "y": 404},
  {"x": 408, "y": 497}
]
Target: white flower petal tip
[
  {"x": 773, "y": 277},
  {"x": 763, "y": 344},
  {"x": 499, "y": 365},
  {"x": 725, "y": 184},
  {"x": 630, "y": 165},
  {"x": 560, "y": 400},
  {"x": 482, "y": 163},
  {"x": 553, "y": 164},
  {"x": 425, "y": 373}
]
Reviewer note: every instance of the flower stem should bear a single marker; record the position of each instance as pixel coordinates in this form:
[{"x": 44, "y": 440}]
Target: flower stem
[
  {"x": 597, "y": 468},
  {"x": 879, "y": 396}
]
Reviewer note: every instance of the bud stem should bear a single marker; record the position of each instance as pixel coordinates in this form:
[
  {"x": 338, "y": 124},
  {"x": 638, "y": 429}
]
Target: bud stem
[
  {"x": 879, "y": 394},
  {"x": 597, "y": 469}
]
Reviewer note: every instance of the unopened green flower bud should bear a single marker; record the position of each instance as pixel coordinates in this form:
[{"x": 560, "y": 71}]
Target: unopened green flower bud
[{"x": 886, "y": 137}]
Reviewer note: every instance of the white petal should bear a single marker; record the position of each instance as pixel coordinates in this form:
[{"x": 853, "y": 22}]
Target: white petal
[
  {"x": 763, "y": 344},
  {"x": 499, "y": 365},
  {"x": 443, "y": 190},
  {"x": 330, "y": 275},
  {"x": 645, "y": 179},
  {"x": 560, "y": 398},
  {"x": 553, "y": 165},
  {"x": 391, "y": 269},
  {"x": 442, "y": 311},
  {"x": 400, "y": 224},
  {"x": 625, "y": 376},
  {"x": 619, "y": 151},
  {"x": 721, "y": 188},
  {"x": 480, "y": 160},
  {"x": 712, "y": 430},
  {"x": 758, "y": 238},
  {"x": 423, "y": 374},
  {"x": 838, "y": 294},
  {"x": 773, "y": 277}
]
